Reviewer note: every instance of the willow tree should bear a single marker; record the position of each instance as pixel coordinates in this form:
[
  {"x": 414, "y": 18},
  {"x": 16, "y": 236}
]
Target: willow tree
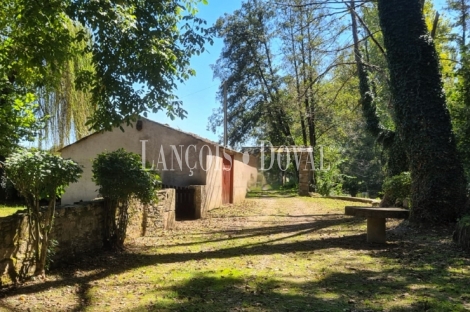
[
  {"x": 63, "y": 102},
  {"x": 423, "y": 121}
]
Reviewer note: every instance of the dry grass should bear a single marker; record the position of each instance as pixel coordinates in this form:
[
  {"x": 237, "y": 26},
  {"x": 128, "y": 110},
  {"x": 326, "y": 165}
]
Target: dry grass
[{"x": 269, "y": 254}]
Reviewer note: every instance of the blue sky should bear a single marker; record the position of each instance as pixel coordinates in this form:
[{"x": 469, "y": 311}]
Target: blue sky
[{"x": 198, "y": 93}]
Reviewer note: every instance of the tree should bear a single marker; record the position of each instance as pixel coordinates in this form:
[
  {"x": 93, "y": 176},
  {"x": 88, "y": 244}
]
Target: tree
[
  {"x": 65, "y": 106},
  {"x": 386, "y": 138},
  {"x": 363, "y": 164},
  {"x": 460, "y": 93},
  {"x": 18, "y": 120},
  {"x": 145, "y": 42},
  {"x": 423, "y": 121},
  {"x": 140, "y": 50},
  {"x": 250, "y": 76},
  {"x": 302, "y": 34},
  {"x": 34, "y": 44},
  {"x": 40, "y": 175},
  {"x": 298, "y": 93},
  {"x": 120, "y": 178}
]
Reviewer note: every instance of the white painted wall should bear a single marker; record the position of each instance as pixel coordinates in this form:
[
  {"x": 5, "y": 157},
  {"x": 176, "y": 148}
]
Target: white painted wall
[{"x": 158, "y": 146}]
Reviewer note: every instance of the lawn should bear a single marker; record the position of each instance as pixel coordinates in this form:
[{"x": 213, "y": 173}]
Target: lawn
[
  {"x": 7, "y": 210},
  {"x": 268, "y": 254}
]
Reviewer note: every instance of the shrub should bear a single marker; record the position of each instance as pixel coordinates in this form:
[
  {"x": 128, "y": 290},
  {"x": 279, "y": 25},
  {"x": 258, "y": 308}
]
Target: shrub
[
  {"x": 398, "y": 187},
  {"x": 329, "y": 181},
  {"x": 120, "y": 178},
  {"x": 40, "y": 175},
  {"x": 353, "y": 185},
  {"x": 462, "y": 232}
]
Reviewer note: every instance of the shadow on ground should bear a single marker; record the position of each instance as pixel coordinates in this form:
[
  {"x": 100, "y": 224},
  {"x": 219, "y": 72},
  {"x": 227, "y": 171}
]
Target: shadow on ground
[{"x": 421, "y": 264}]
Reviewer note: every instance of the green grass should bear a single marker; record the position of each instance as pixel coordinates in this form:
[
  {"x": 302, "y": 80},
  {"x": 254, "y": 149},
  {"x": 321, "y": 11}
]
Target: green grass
[
  {"x": 8, "y": 210},
  {"x": 269, "y": 254},
  {"x": 272, "y": 193}
]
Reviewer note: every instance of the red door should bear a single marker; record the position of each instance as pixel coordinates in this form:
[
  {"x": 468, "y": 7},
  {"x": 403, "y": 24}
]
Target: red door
[{"x": 227, "y": 174}]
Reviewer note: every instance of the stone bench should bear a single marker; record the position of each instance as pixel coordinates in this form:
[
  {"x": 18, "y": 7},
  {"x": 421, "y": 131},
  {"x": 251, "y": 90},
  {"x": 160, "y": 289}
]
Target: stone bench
[{"x": 376, "y": 219}]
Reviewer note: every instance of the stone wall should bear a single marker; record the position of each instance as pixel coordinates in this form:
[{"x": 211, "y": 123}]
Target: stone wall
[
  {"x": 200, "y": 203},
  {"x": 14, "y": 242},
  {"x": 78, "y": 229},
  {"x": 161, "y": 215}
]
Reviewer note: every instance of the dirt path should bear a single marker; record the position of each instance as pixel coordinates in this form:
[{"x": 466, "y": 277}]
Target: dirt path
[
  {"x": 267, "y": 254},
  {"x": 263, "y": 212}
]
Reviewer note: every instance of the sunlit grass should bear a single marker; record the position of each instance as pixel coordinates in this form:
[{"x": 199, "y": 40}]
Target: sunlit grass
[
  {"x": 8, "y": 210},
  {"x": 267, "y": 254}
]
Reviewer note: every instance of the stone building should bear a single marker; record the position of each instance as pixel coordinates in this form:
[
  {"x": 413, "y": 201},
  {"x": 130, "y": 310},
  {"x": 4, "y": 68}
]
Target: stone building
[{"x": 182, "y": 160}]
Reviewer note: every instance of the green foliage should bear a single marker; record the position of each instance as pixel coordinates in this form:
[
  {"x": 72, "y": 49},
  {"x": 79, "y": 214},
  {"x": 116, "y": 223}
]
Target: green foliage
[
  {"x": 329, "y": 181},
  {"x": 353, "y": 185},
  {"x": 291, "y": 185},
  {"x": 464, "y": 221},
  {"x": 120, "y": 176},
  {"x": 40, "y": 175},
  {"x": 139, "y": 52},
  {"x": 363, "y": 165},
  {"x": 149, "y": 43},
  {"x": 398, "y": 186},
  {"x": 53, "y": 244},
  {"x": 423, "y": 120},
  {"x": 462, "y": 232},
  {"x": 37, "y": 28},
  {"x": 18, "y": 121},
  {"x": 253, "y": 86},
  {"x": 66, "y": 102}
]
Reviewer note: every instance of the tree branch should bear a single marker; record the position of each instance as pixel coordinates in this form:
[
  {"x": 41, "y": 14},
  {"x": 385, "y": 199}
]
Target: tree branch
[{"x": 367, "y": 29}]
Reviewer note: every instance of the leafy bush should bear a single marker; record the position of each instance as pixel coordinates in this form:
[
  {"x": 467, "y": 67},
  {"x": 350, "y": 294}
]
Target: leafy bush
[
  {"x": 462, "y": 232},
  {"x": 353, "y": 185},
  {"x": 465, "y": 221},
  {"x": 291, "y": 185},
  {"x": 329, "y": 181},
  {"x": 398, "y": 187},
  {"x": 40, "y": 175},
  {"x": 120, "y": 178}
]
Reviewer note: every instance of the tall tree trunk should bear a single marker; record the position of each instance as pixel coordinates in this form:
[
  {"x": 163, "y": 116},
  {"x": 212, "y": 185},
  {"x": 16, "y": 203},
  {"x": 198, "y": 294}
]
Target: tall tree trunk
[
  {"x": 39, "y": 268},
  {"x": 423, "y": 121},
  {"x": 310, "y": 93},
  {"x": 463, "y": 6},
  {"x": 305, "y": 80},
  {"x": 297, "y": 87},
  {"x": 396, "y": 155},
  {"x": 369, "y": 110}
]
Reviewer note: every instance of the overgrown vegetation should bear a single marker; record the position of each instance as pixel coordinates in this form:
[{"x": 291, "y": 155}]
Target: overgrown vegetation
[
  {"x": 398, "y": 187},
  {"x": 40, "y": 175},
  {"x": 120, "y": 177},
  {"x": 462, "y": 232},
  {"x": 329, "y": 181}
]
